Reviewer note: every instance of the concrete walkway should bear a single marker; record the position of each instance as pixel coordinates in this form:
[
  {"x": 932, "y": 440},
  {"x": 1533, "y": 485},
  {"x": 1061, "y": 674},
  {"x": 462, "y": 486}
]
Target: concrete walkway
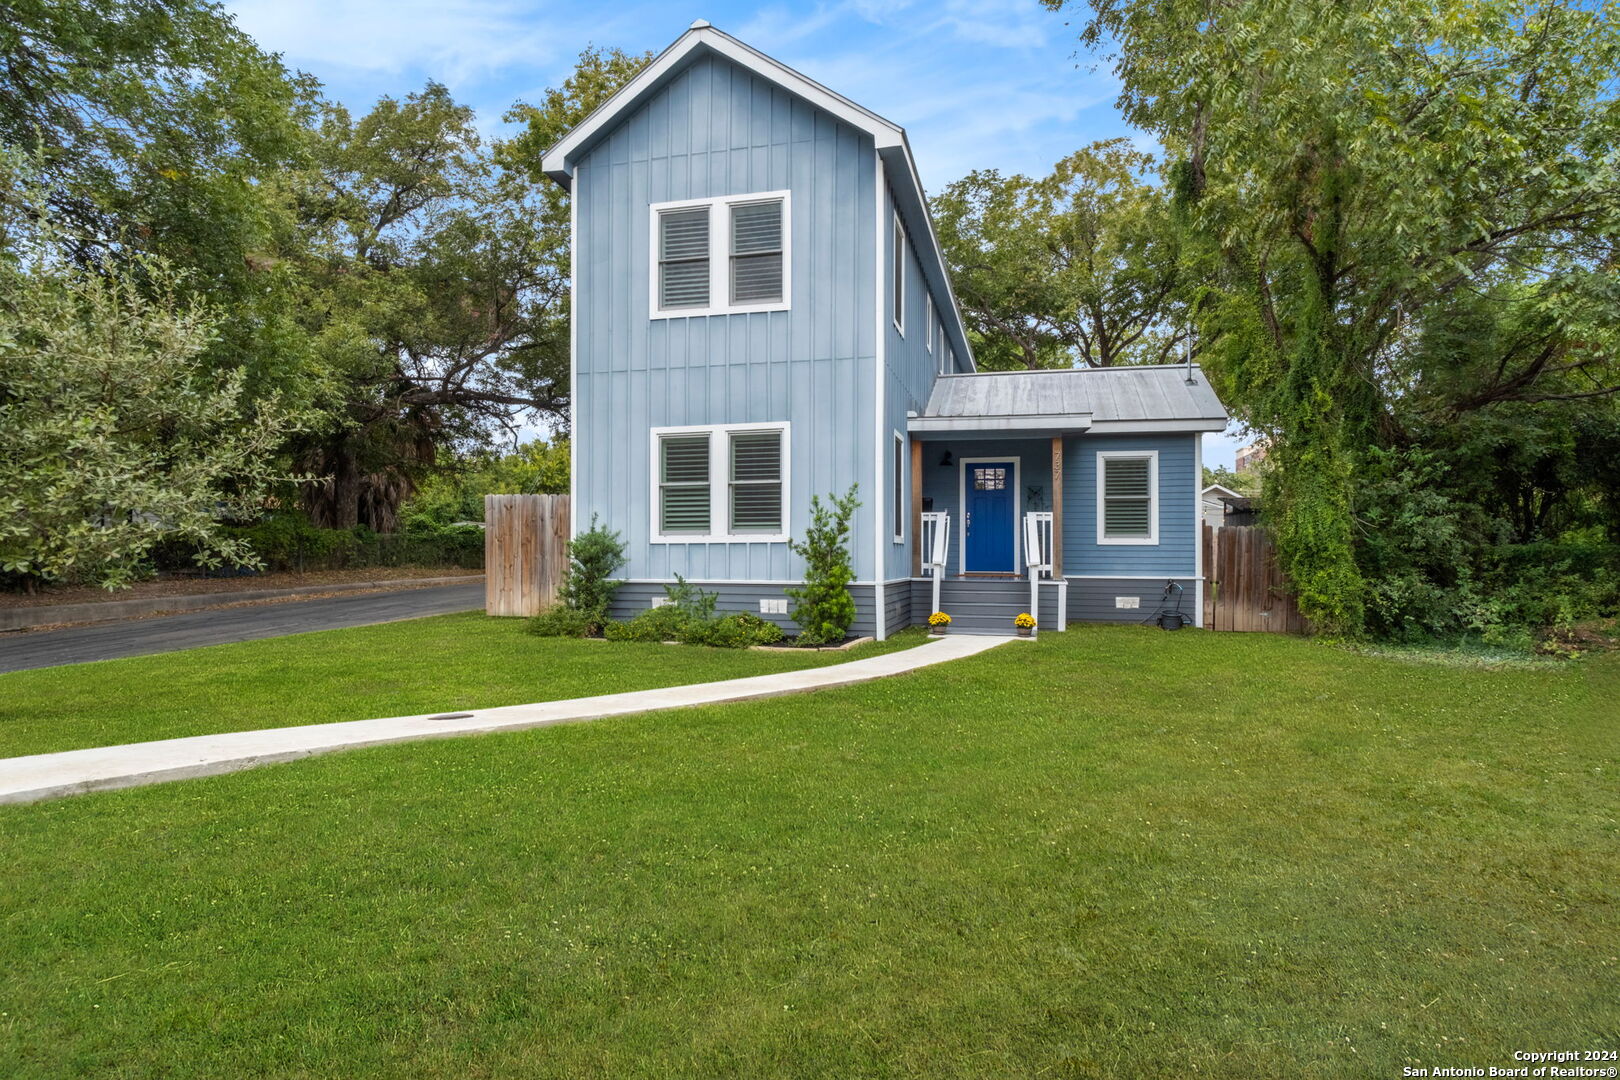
[{"x": 74, "y": 772}]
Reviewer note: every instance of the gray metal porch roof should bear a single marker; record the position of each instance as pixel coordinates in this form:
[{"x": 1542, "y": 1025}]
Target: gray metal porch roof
[{"x": 1113, "y": 399}]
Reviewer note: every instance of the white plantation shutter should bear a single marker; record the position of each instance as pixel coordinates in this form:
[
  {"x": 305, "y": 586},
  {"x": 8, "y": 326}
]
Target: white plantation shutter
[
  {"x": 756, "y": 481},
  {"x": 683, "y": 490},
  {"x": 1127, "y": 497},
  {"x": 683, "y": 258},
  {"x": 756, "y": 253}
]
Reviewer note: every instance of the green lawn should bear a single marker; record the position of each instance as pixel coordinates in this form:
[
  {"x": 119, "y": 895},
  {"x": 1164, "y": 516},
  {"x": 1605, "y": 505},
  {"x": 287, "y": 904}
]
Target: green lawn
[
  {"x": 1115, "y": 852},
  {"x": 444, "y": 663}
]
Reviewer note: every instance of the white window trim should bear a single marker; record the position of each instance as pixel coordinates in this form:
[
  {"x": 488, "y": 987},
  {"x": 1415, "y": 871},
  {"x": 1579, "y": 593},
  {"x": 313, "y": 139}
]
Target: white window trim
[
  {"x": 897, "y": 273},
  {"x": 720, "y": 255},
  {"x": 928, "y": 325},
  {"x": 1018, "y": 510},
  {"x": 1152, "y": 538},
  {"x": 719, "y": 485},
  {"x": 901, "y": 512}
]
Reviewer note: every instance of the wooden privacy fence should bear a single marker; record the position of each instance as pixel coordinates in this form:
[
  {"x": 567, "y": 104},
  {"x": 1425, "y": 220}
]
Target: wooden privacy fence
[
  {"x": 525, "y": 552},
  {"x": 1244, "y": 589}
]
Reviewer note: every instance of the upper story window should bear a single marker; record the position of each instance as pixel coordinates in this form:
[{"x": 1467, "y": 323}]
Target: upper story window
[
  {"x": 928, "y": 324},
  {"x": 898, "y": 299},
  {"x": 720, "y": 484},
  {"x": 1127, "y": 497},
  {"x": 720, "y": 256}
]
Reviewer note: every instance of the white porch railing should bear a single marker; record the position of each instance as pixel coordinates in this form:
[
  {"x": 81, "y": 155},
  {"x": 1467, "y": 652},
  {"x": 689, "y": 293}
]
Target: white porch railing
[
  {"x": 1038, "y": 556},
  {"x": 936, "y": 545}
]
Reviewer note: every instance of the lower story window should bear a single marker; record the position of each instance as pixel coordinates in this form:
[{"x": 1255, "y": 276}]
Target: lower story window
[
  {"x": 1127, "y": 498},
  {"x": 723, "y": 483}
]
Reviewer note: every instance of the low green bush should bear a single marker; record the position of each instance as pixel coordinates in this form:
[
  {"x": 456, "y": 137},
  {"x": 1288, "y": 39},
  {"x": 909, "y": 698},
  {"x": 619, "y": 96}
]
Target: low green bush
[
  {"x": 560, "y": 620},
  {"x": 654, "y": 624},
  {"x": 689, "y": 618},
  {"x": 737, "y": 630}
]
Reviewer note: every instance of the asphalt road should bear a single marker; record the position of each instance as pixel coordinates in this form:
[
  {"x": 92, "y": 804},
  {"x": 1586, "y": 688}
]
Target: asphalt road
[{"x": 166, "y": 633}]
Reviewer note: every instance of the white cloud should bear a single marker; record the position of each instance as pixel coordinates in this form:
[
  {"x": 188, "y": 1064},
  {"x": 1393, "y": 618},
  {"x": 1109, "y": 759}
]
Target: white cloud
[{"x": 389, "y": 36}]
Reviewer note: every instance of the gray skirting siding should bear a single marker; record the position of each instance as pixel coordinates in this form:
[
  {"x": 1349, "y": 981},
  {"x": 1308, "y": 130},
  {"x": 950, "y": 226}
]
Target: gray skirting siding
[
  {"x": 974, "y": 604},
  {"x": 635, "y": 597},
  {"x": 1097, "y": 599}
]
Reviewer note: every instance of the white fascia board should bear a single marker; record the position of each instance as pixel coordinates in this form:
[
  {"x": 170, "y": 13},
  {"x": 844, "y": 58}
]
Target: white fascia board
[
  {"x": 967, "y": 424},
  {"x": 558, "y": 162},
  {"x": 1107, "y": 427}
]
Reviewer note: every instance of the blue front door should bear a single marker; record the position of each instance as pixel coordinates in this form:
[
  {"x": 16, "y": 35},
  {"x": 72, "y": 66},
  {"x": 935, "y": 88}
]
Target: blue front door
[{"x": 990, "y": 535}]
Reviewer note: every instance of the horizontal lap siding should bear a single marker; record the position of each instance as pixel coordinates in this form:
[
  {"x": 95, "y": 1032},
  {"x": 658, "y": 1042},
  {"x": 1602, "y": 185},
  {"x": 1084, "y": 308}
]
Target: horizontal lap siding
[
  {"x": 1179, "y": 505},
  {"x": 717, "y": 130},
  {"x": 1093, "y": 600}
]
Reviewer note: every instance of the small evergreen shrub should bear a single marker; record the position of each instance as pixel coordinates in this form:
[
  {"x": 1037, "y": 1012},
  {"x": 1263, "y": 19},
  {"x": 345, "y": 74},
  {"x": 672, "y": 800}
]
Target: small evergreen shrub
[
  {"x": 594, "y": 556},
  {"x": 824, "y": 608}
]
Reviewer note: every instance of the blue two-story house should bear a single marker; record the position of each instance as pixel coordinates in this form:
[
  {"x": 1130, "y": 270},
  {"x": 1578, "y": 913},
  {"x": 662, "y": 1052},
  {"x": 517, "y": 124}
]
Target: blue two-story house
[{"x": 761, "y": 312}]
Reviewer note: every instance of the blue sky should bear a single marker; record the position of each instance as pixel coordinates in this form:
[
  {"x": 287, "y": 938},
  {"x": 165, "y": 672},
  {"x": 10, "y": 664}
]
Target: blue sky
[{"x": 978, "y": 84}]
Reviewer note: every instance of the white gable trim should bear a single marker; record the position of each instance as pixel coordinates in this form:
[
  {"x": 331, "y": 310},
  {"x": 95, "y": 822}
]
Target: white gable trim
[{"x": 558, "y": 164}]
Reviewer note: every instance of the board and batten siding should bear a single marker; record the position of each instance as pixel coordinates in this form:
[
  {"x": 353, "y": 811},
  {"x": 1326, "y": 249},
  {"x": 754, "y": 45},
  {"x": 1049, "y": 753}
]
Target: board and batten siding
[
  {"x": 909, "y": 373},
  {"x": 717, "y": 130},
  {"x": 1176, "y": 553}
]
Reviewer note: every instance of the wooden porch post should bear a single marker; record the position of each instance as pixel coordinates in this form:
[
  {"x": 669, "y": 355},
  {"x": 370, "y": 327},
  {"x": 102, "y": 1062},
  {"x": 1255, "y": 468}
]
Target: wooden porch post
[
  {"x": 1057, "y": 507},
  {"x": 916, "y": 507}
]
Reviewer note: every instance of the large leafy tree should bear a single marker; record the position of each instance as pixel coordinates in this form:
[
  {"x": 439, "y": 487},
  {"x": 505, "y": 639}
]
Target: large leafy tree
[
  {"x": 115, "y": 433},
  {"x": 439, "y": 285},
  {"x": 597, "y": 75},
  {"x": 156, "y": 127},
  {"x": 1078, "y": 267},
  {"x": 1413, "y": 208},
  {"x": 432, "y": 309}
]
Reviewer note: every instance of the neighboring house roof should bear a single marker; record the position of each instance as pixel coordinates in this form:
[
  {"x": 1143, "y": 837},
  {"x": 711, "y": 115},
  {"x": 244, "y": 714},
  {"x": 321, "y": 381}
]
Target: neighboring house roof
[
  {"x": 1129, "y": 398},
  {"x": 560, "y": 161},
  {"x": 1221, "y": 492}
]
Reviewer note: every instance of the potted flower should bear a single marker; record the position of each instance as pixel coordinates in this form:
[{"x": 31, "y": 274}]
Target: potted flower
[
  {"x": 938, "y": 623},
  {"x": 1025, "y": 623}
]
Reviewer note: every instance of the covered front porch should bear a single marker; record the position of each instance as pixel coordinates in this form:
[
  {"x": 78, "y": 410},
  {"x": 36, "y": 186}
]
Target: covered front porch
[{"x": 987, "y": 522}]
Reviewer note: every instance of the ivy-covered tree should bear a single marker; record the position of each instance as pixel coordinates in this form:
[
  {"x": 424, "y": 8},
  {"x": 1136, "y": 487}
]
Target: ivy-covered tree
[{"x": 1409, "y": 209}]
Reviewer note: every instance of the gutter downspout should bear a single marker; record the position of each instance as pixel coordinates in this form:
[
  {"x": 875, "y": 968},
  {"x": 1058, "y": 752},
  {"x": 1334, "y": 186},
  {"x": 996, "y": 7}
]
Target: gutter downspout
[{"x": 879, "y": 571}]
